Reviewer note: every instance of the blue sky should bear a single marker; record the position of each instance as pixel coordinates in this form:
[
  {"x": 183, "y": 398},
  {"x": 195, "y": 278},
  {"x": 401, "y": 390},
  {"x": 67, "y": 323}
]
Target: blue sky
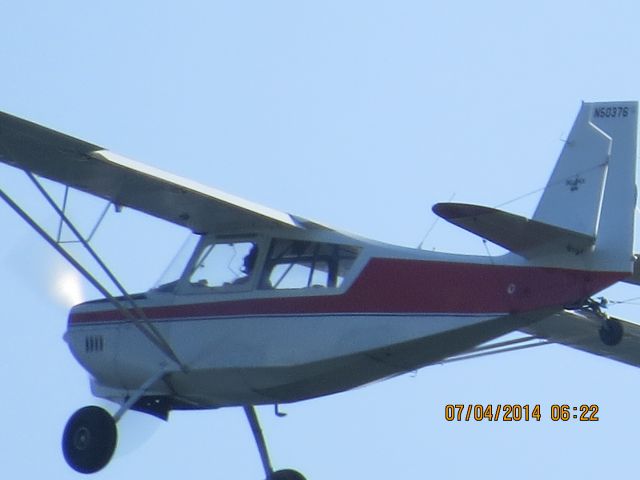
[{"x": 359, "y": 115}]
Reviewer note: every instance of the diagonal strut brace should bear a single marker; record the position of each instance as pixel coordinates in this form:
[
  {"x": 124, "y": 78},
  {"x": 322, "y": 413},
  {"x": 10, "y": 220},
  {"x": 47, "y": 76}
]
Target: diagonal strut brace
[{"x": 143, "y": 325}]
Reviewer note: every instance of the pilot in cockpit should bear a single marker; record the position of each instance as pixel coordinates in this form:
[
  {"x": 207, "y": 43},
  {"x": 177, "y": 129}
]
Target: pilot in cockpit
[{"x": 248, "y": 264}]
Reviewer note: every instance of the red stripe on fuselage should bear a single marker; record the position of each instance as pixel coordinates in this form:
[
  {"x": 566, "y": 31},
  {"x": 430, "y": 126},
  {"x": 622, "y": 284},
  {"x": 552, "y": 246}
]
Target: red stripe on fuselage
[{"x": 408, "y": 287}]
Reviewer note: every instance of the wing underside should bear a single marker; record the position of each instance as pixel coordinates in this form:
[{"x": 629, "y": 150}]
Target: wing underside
[
  {"x": 581, "y": 331},
  {"x": 97, "y": 171}
]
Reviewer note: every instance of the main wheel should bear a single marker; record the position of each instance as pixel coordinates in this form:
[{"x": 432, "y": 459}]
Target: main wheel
[
  {"x": 89, "y": 439},
  {"x": 611, "y": 332},
  {"x": 287, "y": 475}
]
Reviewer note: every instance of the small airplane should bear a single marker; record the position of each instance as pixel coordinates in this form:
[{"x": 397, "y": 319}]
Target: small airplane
[{"x": 271, "y": 308}]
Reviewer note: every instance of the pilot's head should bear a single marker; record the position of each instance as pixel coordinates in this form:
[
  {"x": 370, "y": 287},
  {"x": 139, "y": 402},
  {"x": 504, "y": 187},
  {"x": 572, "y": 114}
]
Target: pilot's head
[{"x": 250, "y": 260}]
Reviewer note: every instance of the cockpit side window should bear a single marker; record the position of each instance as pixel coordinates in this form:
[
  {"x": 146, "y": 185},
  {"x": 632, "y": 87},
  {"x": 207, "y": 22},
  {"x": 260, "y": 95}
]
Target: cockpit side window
[
  {"x": 225, "y": 265},
  {"x": 295, "y": 264}
]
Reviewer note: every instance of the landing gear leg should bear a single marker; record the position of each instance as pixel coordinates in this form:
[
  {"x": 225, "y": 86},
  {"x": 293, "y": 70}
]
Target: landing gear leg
[{"x": 250, "y": 412}]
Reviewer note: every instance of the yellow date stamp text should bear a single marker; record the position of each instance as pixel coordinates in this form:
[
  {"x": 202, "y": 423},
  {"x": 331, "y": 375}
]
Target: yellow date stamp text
[{"x": 516, "y": 412}]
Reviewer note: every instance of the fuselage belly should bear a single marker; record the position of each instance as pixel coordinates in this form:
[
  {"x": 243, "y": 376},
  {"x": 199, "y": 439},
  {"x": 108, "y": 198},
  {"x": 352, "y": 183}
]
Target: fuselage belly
[{"x": 277, "y": 358}]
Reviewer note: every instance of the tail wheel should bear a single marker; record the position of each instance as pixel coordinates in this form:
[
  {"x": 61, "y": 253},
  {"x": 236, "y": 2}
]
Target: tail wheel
[
  {"x": 611, "y": 332},
  {"x": 89, "y": 439}
]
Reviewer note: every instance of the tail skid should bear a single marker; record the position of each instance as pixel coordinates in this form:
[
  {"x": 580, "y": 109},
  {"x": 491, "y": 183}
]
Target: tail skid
[{"x": 585, "y": 217}]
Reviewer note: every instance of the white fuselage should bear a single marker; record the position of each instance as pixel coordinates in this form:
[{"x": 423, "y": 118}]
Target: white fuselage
[{"x": 398, "y": 310}]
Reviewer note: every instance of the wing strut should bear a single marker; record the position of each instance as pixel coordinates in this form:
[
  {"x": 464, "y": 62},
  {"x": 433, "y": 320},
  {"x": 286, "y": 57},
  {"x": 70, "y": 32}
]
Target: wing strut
[
  {"x": 494, "y": 348},
  {"x": 139, "y": 319},
  {"x": 61, "y": 223}
]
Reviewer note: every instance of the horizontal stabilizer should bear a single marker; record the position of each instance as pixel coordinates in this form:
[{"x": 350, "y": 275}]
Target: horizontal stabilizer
[{"x": 517, "y": 234}]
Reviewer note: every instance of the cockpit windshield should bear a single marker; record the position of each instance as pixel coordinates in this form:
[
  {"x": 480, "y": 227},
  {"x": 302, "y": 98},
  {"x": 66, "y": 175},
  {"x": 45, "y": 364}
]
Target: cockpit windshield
[{"x": 175, "y": 270}]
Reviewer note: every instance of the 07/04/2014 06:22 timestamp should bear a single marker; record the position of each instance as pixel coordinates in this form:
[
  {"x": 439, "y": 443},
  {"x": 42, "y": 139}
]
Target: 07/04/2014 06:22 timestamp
[{"x": 519, "y": 412}]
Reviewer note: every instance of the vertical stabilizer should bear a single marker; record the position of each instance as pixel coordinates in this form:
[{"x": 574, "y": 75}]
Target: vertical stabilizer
[{"x": 592, "y": 188}]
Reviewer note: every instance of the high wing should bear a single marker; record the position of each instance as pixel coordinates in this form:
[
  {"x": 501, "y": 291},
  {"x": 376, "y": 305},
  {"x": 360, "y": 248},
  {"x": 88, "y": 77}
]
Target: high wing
[
  {"x": 124, "y": 182},
  {"x": 580, "y": 331}
]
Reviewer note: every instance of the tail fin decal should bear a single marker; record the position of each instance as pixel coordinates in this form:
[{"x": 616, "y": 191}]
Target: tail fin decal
[{"x": 573, "y": 196}]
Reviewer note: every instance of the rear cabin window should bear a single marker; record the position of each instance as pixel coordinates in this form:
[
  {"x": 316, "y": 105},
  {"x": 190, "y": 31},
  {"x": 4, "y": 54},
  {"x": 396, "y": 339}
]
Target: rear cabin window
[{"x": 294, "y": 264}]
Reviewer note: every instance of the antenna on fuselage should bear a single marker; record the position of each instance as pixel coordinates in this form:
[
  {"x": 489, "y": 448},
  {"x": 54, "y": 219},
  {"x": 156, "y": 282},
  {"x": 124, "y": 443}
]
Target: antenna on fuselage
[
  {"x": 433, "y": 225},
  {"x": 486, "y": 248}
]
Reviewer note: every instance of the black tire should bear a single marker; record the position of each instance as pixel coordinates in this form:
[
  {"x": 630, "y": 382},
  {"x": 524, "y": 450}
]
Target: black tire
[
  {"x": 287, "y": 475},
  {"x": 89, "y": 439},
  {"x": 611, "y": 332}
]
